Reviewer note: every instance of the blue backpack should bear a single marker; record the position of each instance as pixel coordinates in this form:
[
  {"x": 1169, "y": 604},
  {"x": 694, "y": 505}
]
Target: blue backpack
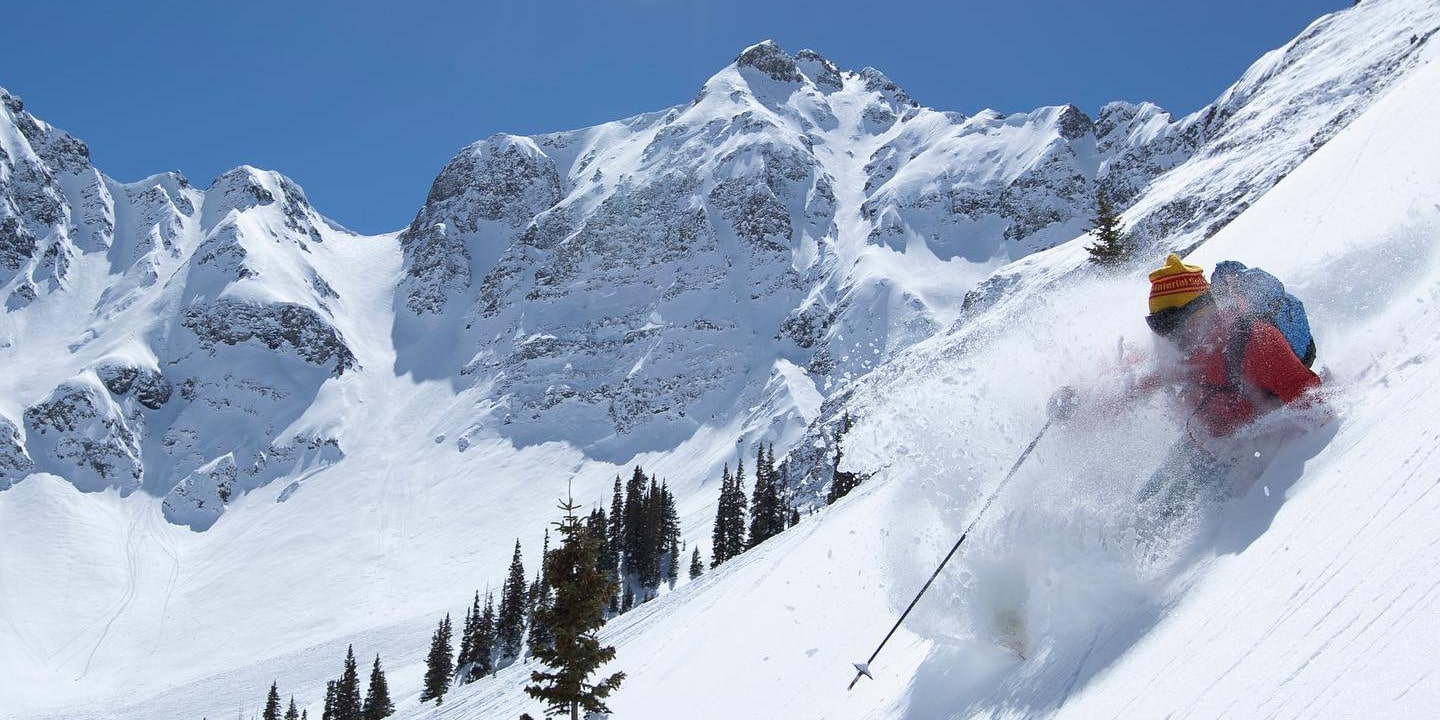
[{"x": 1265, "y": 299}]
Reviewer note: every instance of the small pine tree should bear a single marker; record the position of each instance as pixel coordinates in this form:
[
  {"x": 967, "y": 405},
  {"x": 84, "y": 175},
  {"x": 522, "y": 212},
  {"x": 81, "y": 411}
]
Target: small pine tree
[
  {"x": 328, "y": 713},
  {"x": 735, "y": 537},
  {"x": 438, "y": 666},
  {"x": 510, "y": 623},
  {"x": 292, "y": 713},
  {"x": 463, "y": 658},
  {"x": 669, "y": 536},
  {"x": 767, "y": 512},
  {"x": 347, "y": 690},
  {"x": 539, "y": 597},
  {"x": 697, "y": 568},
  {"x": 719, "y": 546},
  {"x": 1112, "y": 244},
  {"x": 377, "y": 698},
  {"x": 484, "y": 652},
  {"x": 272, "y": 704},
  {"x": 573, "y": 618}
]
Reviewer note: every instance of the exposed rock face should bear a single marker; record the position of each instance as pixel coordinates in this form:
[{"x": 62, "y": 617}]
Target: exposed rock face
[
  {"x": 768, "y": 58},
  {"x": 15, "y": 462},
  {"x": 222, "y": 288},
  {"x": 493, "y": 187},
  {"x": 148, "y": 386},
  {"x": 571, "y": 266},
  {"x": 79, "y": 434},
  {"x": 274, "y": 326}
]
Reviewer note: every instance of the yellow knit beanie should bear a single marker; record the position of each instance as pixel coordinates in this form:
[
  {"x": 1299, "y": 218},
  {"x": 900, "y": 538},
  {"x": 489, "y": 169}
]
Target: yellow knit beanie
[{"x": 1176, "y": 284}]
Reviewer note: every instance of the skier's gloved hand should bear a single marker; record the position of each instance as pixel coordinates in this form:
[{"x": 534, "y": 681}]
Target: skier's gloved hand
[{"x": 1062, "y": 404}]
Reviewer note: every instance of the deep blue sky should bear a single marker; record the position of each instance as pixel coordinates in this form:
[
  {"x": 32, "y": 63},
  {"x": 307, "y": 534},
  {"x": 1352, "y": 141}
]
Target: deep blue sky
[{"x": 362, "y": 102}]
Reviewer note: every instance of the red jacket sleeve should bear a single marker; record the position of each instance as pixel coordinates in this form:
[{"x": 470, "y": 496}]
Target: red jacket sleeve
[{"x": 1270, "y": 364}]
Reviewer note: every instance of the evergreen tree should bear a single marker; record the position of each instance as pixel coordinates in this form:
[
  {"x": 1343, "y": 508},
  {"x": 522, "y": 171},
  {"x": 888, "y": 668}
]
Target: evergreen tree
[
  {"x": 329, "y": 712},
  {"x": 463, "y": 658},
  {"x": 510, "y": 623},
  {"x": 632, "y": 561},
  {"x": 272, "y": 704},
  {"x": 539, "y": 597},
  {"x": 697, "y": 568},
  {"x": 598, "y": 525},
  {"x": 736, "y": 536},
  {"x": 617, "y": 526},
  {"x": 718, "y": 534},
  {"x": 767, "y": 514},
  {"x": 573, "y": 618},
  {"x": 292, "y": 713},
  {"x": 1112, "y": 244},
  {"x": 652, "y": 540},
  {"x": 841, "y": 483},
  {"x": 347, "y": 690},
  {"x": 670, "y": 536},
  {"x": 437, "y": 664},
  {"x": 484, "y": 650},
  {"x": 377, "y": 699}
]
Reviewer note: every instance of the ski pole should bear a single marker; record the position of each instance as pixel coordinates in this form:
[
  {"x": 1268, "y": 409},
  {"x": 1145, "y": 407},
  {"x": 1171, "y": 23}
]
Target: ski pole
[{"x": 863, "y": 669}]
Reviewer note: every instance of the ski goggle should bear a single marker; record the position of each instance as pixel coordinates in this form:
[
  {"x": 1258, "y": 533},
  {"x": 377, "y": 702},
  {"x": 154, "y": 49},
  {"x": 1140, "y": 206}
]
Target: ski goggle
[{"x": 1170, "y": 321}]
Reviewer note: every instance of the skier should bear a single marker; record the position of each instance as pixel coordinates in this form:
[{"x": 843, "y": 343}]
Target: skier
[{"x": 1232, "y": 369}]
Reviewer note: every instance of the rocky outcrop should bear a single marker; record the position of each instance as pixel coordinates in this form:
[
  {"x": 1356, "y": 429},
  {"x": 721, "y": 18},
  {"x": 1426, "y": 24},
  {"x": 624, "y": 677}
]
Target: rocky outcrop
[
  {"x": 78, "y": 433},
  {"x": 274, "y": 326},
  {"x": 146, "y": 385},
  {"x": 15, "y": 462},
  {"x": 767, "y": 58},
  {"x": 498, "y": 186}
]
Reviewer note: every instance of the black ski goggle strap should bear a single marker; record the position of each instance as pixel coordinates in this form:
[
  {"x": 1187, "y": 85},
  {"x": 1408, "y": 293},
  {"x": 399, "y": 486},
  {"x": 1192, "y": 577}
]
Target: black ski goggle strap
[
  {"x": 1169, "y": 321},
  {"x": 1166, "y": 322}
]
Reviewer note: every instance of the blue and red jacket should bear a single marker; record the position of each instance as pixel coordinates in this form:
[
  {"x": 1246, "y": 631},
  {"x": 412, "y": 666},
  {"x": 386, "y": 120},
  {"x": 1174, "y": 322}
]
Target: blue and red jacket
[{"x": 1233, "y": 377}]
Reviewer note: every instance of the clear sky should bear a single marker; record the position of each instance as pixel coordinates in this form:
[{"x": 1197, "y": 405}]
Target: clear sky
[{"x": 363, "y": 101}]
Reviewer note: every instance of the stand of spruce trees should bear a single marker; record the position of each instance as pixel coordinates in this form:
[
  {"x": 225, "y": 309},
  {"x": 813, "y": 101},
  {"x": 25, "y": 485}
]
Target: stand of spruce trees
[
  {"x": 604, "y": 564},
  {"x": 342, "y": 697}
]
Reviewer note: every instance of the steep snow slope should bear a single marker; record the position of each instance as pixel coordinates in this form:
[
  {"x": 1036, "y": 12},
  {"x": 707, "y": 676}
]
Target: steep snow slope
[
  {"x": 122, "y": 614},
  {"x": 1311, "y": 594}
]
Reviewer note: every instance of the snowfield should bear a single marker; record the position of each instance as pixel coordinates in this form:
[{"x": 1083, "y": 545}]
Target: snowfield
[{"x": 349, "y": 448}]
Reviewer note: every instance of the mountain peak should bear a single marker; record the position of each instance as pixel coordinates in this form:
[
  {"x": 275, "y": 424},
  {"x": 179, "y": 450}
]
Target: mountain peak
[
  {"x": 767, "y": 57},
  {"x": 876, "y": 81},
  {"x": 819, "y": 69}
]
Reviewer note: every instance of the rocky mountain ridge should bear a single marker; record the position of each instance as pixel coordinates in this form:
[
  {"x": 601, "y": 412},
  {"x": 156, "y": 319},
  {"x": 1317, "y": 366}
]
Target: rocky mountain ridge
[{"x": 731, "y": 262}]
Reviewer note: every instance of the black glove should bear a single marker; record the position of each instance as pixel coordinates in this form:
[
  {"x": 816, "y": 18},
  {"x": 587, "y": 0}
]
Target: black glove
[{"x": 1062, "y": 404}]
